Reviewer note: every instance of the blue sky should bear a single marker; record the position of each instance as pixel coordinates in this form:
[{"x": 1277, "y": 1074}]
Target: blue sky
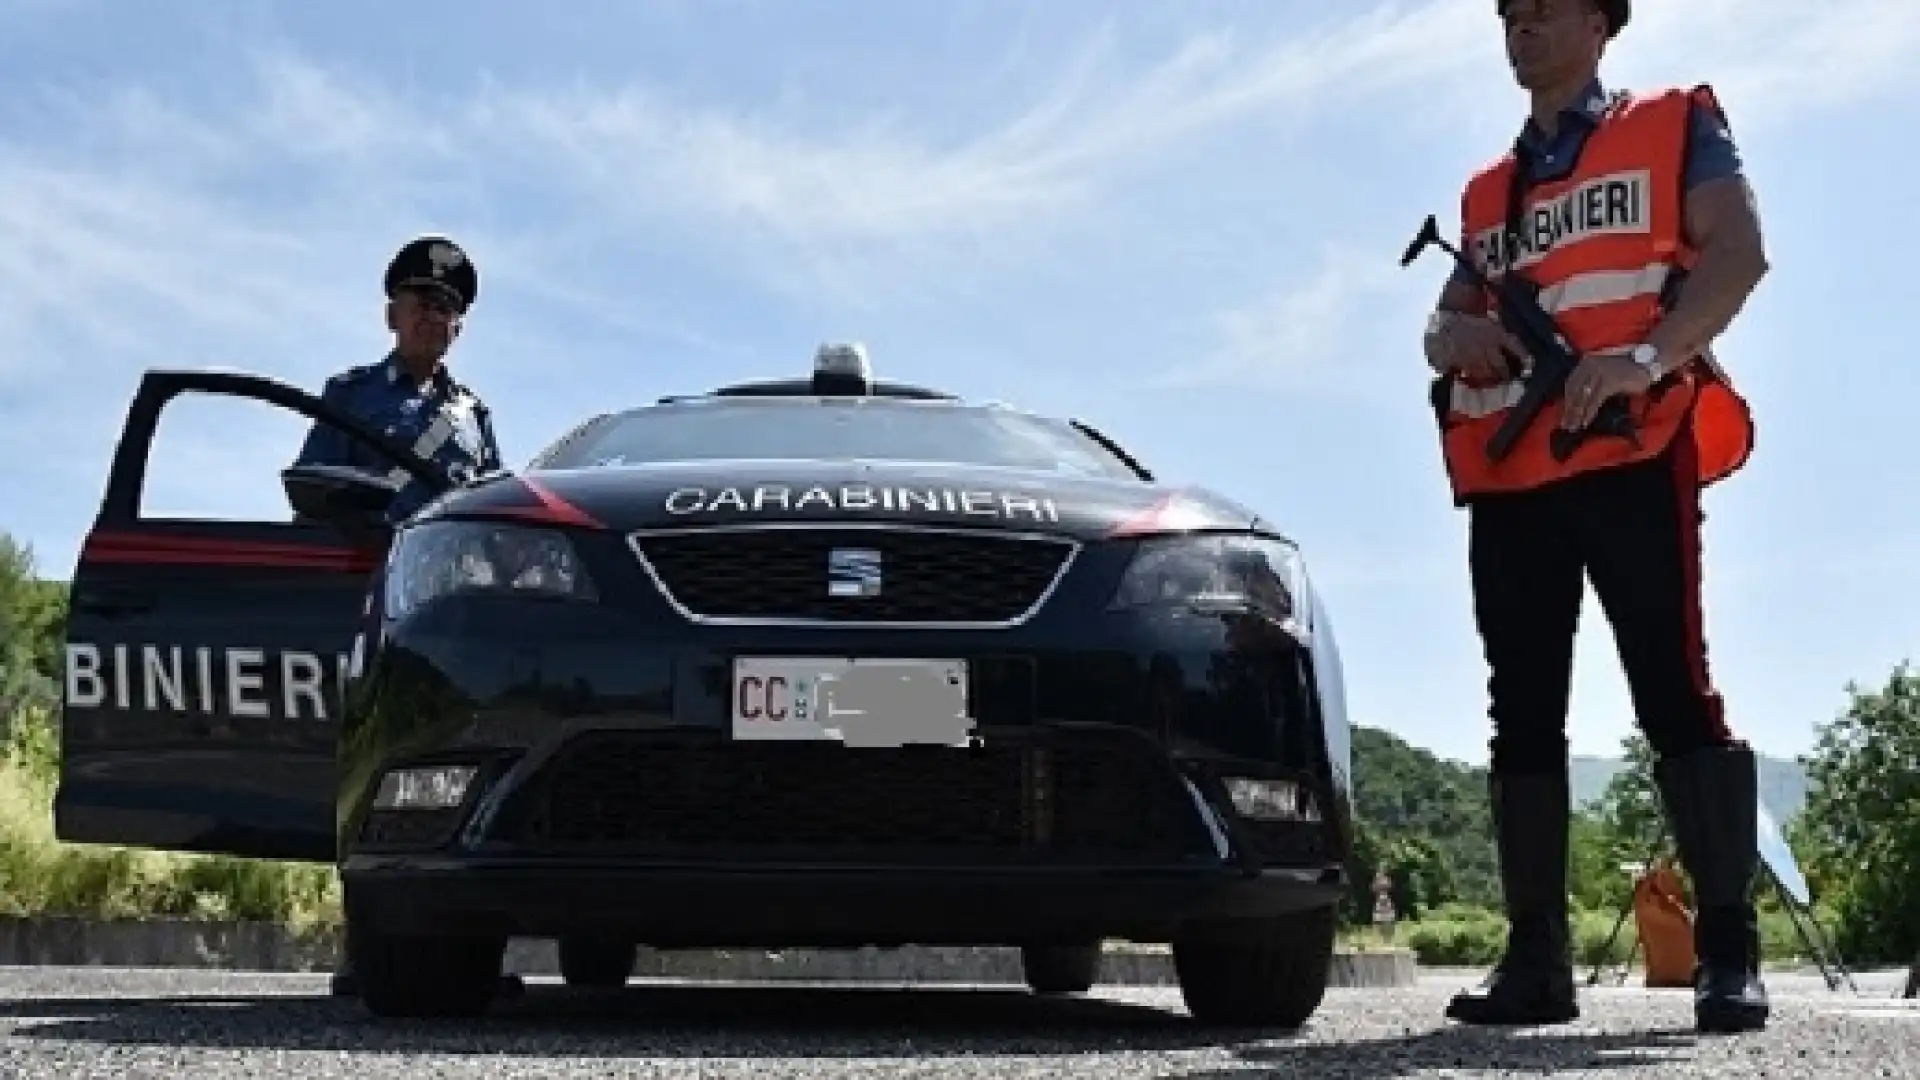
[{"x": 1180, "y": 221}]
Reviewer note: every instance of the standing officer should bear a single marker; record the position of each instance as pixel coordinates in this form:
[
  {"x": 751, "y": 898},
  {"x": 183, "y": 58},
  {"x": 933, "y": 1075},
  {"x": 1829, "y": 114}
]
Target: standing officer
[
  {"x": 430, "y": 285},
  {"x": 1609, "y": 202}
]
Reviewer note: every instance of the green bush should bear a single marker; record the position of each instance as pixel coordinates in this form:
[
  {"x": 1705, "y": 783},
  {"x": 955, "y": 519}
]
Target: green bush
[
  {"x": 1455, "y": 935},
  {"x": 1462, "y": 936}
]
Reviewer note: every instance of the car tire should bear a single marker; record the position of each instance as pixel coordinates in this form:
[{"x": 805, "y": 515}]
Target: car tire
[
  {"x": 1061, "y": 969},
  {"x": 426, "y": 977},
  {"x": 1270, "y": 972},
  {"x": 593, "y": 964}
]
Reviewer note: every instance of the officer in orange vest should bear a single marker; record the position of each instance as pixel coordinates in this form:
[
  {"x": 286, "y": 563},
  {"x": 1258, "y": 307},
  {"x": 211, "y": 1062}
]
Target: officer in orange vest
[{"x": 1630, "y": 213}]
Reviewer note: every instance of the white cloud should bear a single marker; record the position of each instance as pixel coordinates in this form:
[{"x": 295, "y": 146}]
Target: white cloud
[
  {"x": 96, "y": 261},
  {"x": 307, "y": 111},
  {"x": 1776, "y": 61},
  {"x": 1314, "y": 335},
  {"x": 889, "y": 182}
]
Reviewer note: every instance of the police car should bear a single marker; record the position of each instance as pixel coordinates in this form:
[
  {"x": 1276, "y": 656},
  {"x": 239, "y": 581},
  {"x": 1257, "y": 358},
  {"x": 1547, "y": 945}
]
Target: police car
[{"x": 826, "y": 661}]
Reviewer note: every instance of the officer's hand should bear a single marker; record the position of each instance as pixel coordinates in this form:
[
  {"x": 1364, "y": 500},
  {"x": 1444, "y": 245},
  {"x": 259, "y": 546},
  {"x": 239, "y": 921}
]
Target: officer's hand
[
  {"x": 1476, "y": 347},
  {"x": 1596, "y": 379}
]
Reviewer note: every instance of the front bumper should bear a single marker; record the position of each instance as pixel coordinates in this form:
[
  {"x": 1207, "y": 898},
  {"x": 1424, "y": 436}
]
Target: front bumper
[
  {"x": 798, "y": 907},
  {"x": 681, "y": 839}
]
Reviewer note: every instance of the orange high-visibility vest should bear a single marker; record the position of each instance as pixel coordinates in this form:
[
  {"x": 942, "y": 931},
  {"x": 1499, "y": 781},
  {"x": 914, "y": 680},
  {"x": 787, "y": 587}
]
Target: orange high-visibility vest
[{"x": 1602, "y": 243}]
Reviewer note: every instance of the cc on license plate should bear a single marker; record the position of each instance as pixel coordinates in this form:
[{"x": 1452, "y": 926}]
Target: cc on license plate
[{"x": 857, "y": 702}]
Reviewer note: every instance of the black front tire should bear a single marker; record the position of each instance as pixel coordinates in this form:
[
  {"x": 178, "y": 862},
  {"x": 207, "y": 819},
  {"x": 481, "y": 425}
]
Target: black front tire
[
  {"x": 592, "y": 964},
  {"x": 1270, "y": 972},
  {"x": 1061, "y": 969},
  {"x": 425, "y": 977}
]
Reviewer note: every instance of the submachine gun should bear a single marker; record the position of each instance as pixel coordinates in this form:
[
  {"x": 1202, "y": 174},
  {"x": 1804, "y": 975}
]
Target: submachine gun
[{"x": 1517, "y": 301}]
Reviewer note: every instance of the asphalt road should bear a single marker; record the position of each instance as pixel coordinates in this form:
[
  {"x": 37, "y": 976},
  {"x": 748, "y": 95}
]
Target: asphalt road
[{"x": 101, "y": 1022}]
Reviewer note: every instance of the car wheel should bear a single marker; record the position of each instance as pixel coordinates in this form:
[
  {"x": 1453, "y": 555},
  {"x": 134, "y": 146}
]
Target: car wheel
[
  {"x": 596, "y": 965},
  {"x": 1269, "y": 972},
  {"x": 414, "y": 977},
  {"x": 1061, "y": 969}
]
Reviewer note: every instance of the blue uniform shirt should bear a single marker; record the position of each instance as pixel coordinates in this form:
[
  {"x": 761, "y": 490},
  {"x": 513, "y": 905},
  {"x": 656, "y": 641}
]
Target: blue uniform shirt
[
  {"x": 443, "y": 421},
  {"x": 1711, "y": 153}
]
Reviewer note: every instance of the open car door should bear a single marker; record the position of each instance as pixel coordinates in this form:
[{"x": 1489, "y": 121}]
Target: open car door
[{"x": 206, "y": 659}]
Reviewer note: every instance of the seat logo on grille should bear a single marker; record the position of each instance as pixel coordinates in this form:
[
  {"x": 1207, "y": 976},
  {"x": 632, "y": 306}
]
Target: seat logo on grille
[{"x": 853, "y": 572}]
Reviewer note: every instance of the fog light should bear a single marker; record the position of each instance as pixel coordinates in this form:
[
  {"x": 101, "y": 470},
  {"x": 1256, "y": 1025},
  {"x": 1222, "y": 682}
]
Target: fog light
[
  {"x": 436, "y": 787},
  {"x": 1271, "y": 800}
]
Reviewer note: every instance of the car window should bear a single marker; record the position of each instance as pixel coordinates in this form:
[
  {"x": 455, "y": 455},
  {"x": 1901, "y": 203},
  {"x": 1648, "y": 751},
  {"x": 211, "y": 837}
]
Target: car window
[
  {"x": 809, "y": 429},
  {"x": 218, "y": 458}
]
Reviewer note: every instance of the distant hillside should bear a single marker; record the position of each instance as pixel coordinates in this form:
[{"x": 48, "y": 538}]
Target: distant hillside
[
  {"x": 1783, "y": 784},
  {"x": 1406, "y": 792}
]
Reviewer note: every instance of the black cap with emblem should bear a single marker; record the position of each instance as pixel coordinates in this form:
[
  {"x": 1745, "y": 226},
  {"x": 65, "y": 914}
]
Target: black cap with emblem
[
  {"x": 1616, "y": 11},
  {"x": 436, "y": 263}
]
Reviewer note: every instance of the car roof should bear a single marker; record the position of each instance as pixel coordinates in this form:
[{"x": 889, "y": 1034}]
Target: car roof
[
  {"x": 807, "y": 387},
  {"x": 803, "y": 390},
  {"x": 815, "y": 391}
]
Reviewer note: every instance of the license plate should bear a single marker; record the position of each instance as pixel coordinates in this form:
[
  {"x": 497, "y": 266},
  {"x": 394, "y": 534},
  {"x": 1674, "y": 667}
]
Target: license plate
[{"x": 857, "y": 702}]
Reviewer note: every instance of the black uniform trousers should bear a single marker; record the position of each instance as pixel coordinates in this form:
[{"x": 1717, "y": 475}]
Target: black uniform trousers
[{"x": 1634, "y": 532}]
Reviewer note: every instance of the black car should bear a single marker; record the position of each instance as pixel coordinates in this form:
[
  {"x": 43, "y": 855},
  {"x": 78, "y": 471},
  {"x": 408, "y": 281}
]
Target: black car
[{"x": 817, "y": 662}]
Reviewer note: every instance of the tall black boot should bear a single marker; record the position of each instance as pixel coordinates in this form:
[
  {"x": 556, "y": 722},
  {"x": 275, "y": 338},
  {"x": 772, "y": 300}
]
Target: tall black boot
[
  {"x": 1711, "y": 798},
  {"x": 1533, "y": 982}
]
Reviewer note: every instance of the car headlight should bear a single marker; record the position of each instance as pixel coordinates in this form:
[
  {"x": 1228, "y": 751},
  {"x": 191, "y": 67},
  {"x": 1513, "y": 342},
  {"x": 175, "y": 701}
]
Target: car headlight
[
  {"x": 1219, "y": 574},
  {"x": 447, "y": 558}
]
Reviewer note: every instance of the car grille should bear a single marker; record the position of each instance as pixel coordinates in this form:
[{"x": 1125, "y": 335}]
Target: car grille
[
  {"x": 1051, "y": 800},
  {"x": 926, "y": 576}
]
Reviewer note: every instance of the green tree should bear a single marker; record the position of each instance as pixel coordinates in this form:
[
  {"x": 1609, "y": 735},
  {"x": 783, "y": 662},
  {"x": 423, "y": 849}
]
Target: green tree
[
  {"x": 1859, "y": 832},
  {"x": 1595, "y": 880},
  {"x": 33, "y": 616},
  {"x": 1630, "y": 810}
]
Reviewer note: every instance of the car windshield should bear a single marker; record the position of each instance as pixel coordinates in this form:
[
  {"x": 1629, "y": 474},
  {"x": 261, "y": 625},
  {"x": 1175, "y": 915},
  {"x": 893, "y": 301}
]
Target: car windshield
[{"x": 810, "y": 429}]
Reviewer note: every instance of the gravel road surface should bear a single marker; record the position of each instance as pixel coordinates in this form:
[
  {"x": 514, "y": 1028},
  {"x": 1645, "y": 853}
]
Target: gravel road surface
[{"x": 102, "y": 1022}]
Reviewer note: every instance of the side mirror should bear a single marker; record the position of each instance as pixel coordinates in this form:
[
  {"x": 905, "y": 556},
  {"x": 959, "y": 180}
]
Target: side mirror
[{"x": 352, "y": 499}]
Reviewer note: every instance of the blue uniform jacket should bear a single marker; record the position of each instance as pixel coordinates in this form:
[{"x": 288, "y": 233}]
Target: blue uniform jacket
[{"x": 443, "y": 421}]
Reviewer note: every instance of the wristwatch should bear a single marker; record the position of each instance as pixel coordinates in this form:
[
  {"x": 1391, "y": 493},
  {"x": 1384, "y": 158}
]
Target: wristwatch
[{"x": 1648, "y": 357}]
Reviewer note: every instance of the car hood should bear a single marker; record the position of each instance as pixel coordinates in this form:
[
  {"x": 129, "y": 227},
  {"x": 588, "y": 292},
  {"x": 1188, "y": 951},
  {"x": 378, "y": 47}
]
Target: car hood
[{"x": 709, "y": 494}]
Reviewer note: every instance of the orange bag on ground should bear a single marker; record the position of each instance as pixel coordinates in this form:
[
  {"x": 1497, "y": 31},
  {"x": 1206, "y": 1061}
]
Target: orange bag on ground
[{"x": 1665, "y": 924}]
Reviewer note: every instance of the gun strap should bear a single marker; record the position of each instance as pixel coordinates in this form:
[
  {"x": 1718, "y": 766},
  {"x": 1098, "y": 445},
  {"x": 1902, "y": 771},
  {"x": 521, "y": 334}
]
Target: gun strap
[{"x": 1517, "y": 187}]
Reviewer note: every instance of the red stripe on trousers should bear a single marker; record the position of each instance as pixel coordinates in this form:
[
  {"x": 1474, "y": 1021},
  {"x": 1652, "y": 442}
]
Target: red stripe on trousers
[{"x": 1686, "y": 486}]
